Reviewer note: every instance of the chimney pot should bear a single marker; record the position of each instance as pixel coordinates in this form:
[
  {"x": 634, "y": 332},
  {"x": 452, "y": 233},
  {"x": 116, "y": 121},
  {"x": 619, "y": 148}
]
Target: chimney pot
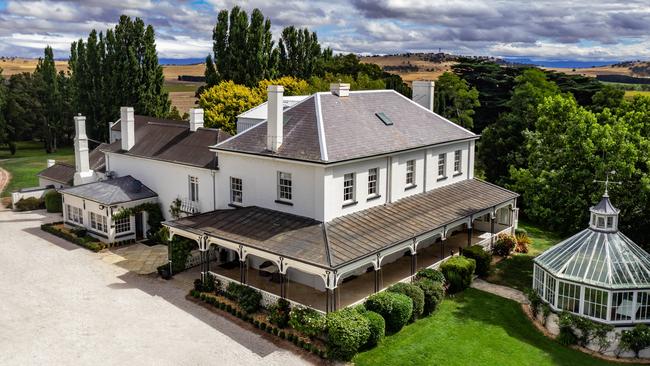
[
  {"x": 50, "y": 162},
  {"x": 275, "y": 120},
  {"x": 423, "y": 91},
  {"x": 340, "y": 89},
  {"x": 127, "y": 127},
  {"x": 196, "y": 119}
]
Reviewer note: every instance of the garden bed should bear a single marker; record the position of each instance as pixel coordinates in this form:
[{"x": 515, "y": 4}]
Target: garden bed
[{"x": 80, "y": 237}]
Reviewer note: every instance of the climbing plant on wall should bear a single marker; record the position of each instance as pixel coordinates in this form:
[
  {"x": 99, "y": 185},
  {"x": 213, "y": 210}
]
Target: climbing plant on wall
[{"x": 154, "y": 214}]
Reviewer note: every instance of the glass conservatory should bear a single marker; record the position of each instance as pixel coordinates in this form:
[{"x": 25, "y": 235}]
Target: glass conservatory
[{"x": 598, "y": 273}]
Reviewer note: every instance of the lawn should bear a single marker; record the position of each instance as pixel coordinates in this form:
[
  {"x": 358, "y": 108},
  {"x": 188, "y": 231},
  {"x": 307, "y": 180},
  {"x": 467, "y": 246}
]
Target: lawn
[
  {"x": 473, "y": 328},
  {"x": 30, "y": 159},
  {"x": 517, "y": 271},
  {"x": 181, "y": 86}
]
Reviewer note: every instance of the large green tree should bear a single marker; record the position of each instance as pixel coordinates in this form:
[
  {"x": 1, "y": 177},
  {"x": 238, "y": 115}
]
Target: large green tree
[
  {"x": 300, "y": 52},
  {"x": 455, "y": 100}
]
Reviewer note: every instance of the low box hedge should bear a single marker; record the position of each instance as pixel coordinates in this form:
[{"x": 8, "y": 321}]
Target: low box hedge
[
  {"x": 53, "y": 201},
  {"x": 395, "y": 308},
  {"x": 458, "y": 272},
  {"x": 415, "y": 293},
  {"x": 434, "y": 292},
  {"x": 483, "y": 259},
  {"x": 348, "y": 330},
  {"x": 430, "y": 273},
  {"x": 87, "y": 242}
]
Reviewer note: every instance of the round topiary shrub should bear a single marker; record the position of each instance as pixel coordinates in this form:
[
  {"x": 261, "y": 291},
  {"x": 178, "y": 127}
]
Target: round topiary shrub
[
  {"x": 504, "y": 245},
  {"x": 458, "y": 272},
  {"x": 376, "y": 326},
  {"x": 434, "y": 292},
  {"x": 395, "y": 308},
  {"x": 53, "y": 201},
  {"x": 483, "y": 259},
  {"x": 415, "y": 293},
  {"x": 347, "y": 331},
  {"x": 307, "y": 321},
  {"x": 431, "y": 274}
]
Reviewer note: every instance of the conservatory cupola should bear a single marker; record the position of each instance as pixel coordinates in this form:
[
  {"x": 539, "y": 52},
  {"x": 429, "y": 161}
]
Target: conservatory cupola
[{"x": 604, "y": 216}]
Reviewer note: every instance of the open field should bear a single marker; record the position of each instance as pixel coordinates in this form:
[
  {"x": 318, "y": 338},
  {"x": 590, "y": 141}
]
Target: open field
[
  {"x": 474, "y": 328},
  {"x": 171, "y": 72},
  {"x": 19, "y": 65},
  {"x": 633, "y": 93},
  {"x": 30, "y": 159},
  {"x": 428, "y": 70}
]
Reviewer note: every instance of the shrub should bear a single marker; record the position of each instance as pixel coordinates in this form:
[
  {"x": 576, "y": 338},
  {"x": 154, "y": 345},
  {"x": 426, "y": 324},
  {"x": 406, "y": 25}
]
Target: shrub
[
  {"x": 376, "y": 326},
  {"x": 347, "y": 330},
  {"x": 395, "y": 308},
  {"x": 198, "y": 285},
  {"x": 535, "y": 301},
  {"x": 263, "y": 326},
  {"x": 433, "y": 294},
  {"x": 458, "y": 272},
  {"x": 567, "y": 336},
  {"x": 415, "y": 293},
  {"x": 521, "y": 231},
  {"x": 29, "y": 204},
  {"x": 282, "y": 334},
  {"x": 483, "y": 259},
  {"x": 504, "y": 245},
  {"x": 53, "y": 201},
  {"x": 208, "y": 284},
  {"x": 431, "y": 274},
  {"x": 523, "y": 242},
  {"x": 635, "y": 339},
  {"x": 307, "y": 321},
  {"x": 247, "y": 297},
  {"x": 279, "y": 313}
]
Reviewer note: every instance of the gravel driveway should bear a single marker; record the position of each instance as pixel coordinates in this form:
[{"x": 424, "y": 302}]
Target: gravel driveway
[{"x": 62, "y": 305}]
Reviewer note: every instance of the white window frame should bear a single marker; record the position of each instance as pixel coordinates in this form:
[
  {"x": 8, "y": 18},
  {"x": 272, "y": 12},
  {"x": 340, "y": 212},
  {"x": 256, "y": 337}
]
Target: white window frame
[
  {"x": 598, "y": 307},
  {"x": 442, "y": 166},
  {"x": 349, "y": 188},
  {"x": 98, "y": 222},
  {"x": 123, "y": 225},
  {"x": 373, "y": 182},
  {"x": 410, "y": 173},
  {"x": 568, "y": 294},
  {"x": 458, "y": 162},
  {"x": 617, "y": 298},
  {"x": 236, "y": 190},
  {"x": 75, "y": 215},
  {"x": 643, "y": 301},
  {"x": 285, "y": 186},
  {"x": 550, "y": 285},
  {"x": 193, "y": 186}
]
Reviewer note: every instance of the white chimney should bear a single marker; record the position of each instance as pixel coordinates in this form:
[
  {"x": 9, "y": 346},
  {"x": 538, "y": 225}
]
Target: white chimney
[
  {"x": 274, "y": 123},
  {"x": 127, "y": 128},
  {"x": 196, "y": 119},
  {"x": 50, "y": 162},
  {"x": 340, "y": 89},
  {"x": 423, "y": 93},
  {"x": 83, "y": 174}
]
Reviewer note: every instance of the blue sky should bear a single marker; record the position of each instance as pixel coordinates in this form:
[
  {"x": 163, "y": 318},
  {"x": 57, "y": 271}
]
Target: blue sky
[{"x": 546, "y": 29}]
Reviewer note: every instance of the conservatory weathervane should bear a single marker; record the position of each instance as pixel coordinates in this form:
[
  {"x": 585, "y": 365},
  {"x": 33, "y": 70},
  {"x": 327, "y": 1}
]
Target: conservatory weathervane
[{"x": 607, "y": 181}]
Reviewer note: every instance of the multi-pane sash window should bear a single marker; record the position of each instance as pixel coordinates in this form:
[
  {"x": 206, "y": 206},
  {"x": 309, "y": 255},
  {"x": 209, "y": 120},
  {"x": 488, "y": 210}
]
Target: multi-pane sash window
[
  {"x": 194, "y": 188},
  {"x": 284, "y": 186},
  {"x": 75, "y": 215},
  {"x": 372, "y": 182},
  {"x": 595, "y": 303},
  {"x": 458, "y": 156},
  {"x": 236, "y": 193},
  {"x": 442, "y": 165},
  {"x": 98, "y": 222},
  {"x": 410, "y": 173},
  {"x": 568, "y": 297},
  {"x": 348, "y": 188},
  {"x": 123, "y": 225}
]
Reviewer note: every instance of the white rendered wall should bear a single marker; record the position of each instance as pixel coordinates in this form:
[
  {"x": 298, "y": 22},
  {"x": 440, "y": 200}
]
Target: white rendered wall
[
  {"x": 44, "y": 182},
  {"x": 169, "y": 180}
]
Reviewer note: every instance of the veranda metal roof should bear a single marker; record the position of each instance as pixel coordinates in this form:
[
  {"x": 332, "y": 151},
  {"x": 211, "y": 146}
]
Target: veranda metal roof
[{"x": 604, "y": 259}]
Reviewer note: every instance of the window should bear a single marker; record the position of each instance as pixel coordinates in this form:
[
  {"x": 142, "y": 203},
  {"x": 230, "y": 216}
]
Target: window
[
  {"x": 348, "y": 188},
  {"x": 550, "y": 290},
  {"x": 538, "y": 284},
  {"x": 622, "y": 306},
  {"x": 284, "y": 186},
  {"x": 74, "y": 214},
  {"x": 123, "y": 225},
  {"x": 610, "y": 222},
  {"x": 372, "y": 182},
  {"x": 236, "y": 193},
  {"x": 98, "y": 222},
  {"x": 442, "y": 166},
  {"x": 643, "y": 301},
  {"x": 568, "y": 297},
  {"x": 458, "y": 156},
  {"x": 601, "y": 222},
  {"x": 410, "y": 173},
  {"x": 595, "y": 303},
  {"x": 194, "y": 188}
]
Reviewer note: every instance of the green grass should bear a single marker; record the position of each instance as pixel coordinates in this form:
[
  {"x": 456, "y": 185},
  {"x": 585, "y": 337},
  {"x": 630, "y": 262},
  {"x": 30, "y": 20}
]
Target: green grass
[
  {"x": 473, "y": 328},
  {"x": 181, "y": 87},
  {"x": 517, "y": 271},
  {"x": 30, "y": 159},
  {"x": 632, "y": 93}
]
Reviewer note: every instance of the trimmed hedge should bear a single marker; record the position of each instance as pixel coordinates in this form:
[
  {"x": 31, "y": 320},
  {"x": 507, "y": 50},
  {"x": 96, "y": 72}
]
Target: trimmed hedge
[
  {"x": 348, "y": 330},
  {"x": 483, "y": 259},
  {"x": 395, "y": 308},
  {"x": 415, "y": 293},
  {"x": 458, "y": 272},
  {"x": 87, "y": 242},
  {"x": 53, "y": 201},
  {"x": 29, "y": 204},
  {"x": 430, "y": 273},
  {"x": 307, "y": 321},
  {"x": 248, "y": 298},
  {"x": 279, "y": 313},
  {"x": 434, "y": 292},
  {"x": 376, "y": 326}
]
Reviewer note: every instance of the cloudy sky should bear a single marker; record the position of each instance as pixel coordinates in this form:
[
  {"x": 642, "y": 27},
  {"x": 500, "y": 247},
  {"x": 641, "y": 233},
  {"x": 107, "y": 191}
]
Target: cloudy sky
[{"x": 545, "y": 29}]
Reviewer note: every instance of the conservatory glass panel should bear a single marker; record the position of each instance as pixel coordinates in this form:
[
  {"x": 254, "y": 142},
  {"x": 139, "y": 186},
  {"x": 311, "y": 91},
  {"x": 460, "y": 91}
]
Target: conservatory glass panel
[
  {"x": 622, "y": 306},
  {"x": 568, "y": 297},
  {"x": 595, "y": 303},
  {"x": 539, "y": 281},
  {"x": 643, "y": 302},
  {"x": 550, "y": 290}
]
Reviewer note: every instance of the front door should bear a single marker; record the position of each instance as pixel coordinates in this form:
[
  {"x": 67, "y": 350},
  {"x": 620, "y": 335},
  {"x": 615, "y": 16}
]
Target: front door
[{"x": 138, "y": 226}]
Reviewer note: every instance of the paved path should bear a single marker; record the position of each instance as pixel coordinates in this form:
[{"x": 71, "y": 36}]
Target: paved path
[
  {"x": 137, "y": 258},
  {"x": 503, "y": 291},
  {"x": 63, "y": 305}
]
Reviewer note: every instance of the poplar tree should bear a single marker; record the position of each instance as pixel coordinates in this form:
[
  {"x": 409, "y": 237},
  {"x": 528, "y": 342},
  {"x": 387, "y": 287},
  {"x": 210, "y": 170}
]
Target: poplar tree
[
  {"x": 300, "y": 53},
  {"x": 49, "y": 95}
]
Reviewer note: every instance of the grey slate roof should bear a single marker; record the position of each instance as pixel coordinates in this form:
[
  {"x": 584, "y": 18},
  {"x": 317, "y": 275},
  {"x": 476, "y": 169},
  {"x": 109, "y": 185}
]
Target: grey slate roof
[
  {"x": 172, "y": 141},
  {"x": 605, "y": 206},
  {"x": 113, "y": 191},
  {"x": 327, "y": 128},
  {"x": 64, "y": 173},
  {"x": 351, "y": 237}
]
